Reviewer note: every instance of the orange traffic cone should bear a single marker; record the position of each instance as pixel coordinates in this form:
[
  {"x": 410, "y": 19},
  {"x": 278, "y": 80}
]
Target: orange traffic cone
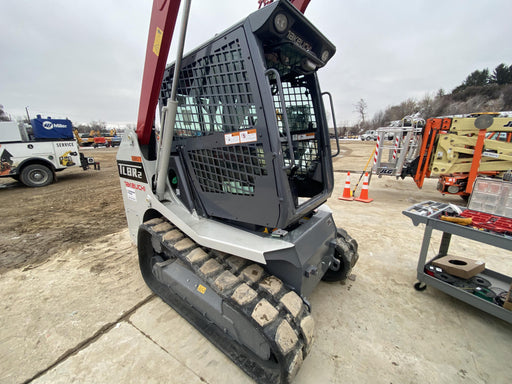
[
  {"x": 346, "y": 190},
  {"x": 364, "y": 191}
]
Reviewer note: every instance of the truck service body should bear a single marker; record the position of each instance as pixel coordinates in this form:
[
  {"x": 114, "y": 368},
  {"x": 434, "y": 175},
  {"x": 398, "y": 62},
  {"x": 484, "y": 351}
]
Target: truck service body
[{"x": 33, "y": 154}]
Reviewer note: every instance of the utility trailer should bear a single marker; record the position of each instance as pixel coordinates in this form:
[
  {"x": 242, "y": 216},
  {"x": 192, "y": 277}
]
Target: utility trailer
[
  {"x": 226, "y": 202},
  {"x": 34, "y": 154}
]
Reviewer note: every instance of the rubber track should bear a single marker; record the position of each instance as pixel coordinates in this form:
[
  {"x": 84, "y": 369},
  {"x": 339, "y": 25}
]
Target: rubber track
[{"x": 278, "y": 313}]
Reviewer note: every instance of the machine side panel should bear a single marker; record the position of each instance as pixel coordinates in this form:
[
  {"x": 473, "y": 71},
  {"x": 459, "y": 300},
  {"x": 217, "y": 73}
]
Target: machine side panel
[{"x": 305, "y": 264}]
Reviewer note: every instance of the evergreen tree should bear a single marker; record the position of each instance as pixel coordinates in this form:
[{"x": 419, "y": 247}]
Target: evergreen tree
[
  {"x": 502, "y": 75},
  {"x": 475, "y": 79}
]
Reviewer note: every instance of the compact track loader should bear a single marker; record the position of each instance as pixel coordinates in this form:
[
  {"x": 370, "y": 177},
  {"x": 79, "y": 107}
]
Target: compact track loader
[{"x": 226, "y": 201}]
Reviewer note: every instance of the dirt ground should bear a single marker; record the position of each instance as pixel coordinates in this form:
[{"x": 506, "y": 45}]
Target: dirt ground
[
  {"x": 78, "y": 209},
  {"x": 75, "y": 309}
]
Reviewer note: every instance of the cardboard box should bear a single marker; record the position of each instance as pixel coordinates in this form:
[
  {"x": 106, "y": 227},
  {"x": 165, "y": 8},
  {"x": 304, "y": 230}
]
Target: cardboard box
[{"x": 460, "y": 266}]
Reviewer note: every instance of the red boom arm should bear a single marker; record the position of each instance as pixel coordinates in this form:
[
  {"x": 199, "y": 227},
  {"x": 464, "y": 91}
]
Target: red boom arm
[{"x": 161, "y": 29}]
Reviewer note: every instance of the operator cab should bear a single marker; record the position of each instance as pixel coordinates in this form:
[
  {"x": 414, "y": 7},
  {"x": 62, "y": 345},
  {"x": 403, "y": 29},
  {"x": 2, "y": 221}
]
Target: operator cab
[
  {"x": 250, "y": 127},
  {"x": 293, "y": 52}
]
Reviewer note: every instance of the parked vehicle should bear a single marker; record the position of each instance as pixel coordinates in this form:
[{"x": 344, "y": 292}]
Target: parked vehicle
[
  {"x": 369, "y": 135},
  {"x": 34, "y": 153}
]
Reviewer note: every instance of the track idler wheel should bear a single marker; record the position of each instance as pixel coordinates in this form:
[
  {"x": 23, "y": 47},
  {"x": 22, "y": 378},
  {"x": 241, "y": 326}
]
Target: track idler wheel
[{"x": 345, "y": 255}]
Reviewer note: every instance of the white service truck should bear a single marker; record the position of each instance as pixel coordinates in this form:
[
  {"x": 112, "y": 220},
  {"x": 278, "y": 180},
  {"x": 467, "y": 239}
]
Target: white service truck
[
  {"x": 34, "y": 153},
  {"x": 369, "y": 135}
]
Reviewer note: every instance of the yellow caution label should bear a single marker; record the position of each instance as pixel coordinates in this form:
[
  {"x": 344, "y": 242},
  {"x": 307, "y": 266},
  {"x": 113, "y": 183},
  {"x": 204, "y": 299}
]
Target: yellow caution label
[
  {"x": 158, "y": 41},
  {"x": 201, "y": 289}
]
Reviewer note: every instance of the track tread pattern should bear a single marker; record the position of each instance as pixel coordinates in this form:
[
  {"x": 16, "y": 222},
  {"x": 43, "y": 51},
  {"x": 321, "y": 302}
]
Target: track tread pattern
[{"x": 276, "y": 311}]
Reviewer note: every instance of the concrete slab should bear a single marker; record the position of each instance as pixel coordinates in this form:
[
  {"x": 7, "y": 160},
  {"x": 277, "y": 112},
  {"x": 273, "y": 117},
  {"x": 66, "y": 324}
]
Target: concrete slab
[
  {"x": 123, "y": 355},
  {"x": 373, "y": 337},
  {"x": 188, "y": 346},
  {"x": 49, "y": 310}
]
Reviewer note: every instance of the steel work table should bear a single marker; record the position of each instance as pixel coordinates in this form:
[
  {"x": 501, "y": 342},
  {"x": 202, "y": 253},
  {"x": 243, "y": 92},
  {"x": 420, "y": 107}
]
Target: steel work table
[{"x": 429, "y": 213}]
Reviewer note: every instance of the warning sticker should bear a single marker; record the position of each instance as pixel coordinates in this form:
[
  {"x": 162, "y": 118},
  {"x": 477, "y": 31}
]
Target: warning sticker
[
  {"x": 248, "y": 136},
  {"x": 304, "y": 136},
  {"x": 232, "y": 138},
  {"x": 130, "y": 194},
  {"x": 158, "y": 41},
  {"x": 201, "y": 289}
]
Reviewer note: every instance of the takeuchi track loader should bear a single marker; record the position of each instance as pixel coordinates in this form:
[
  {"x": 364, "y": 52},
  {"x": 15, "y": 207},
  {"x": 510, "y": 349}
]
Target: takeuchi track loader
[{"x": 226, "y": 200}]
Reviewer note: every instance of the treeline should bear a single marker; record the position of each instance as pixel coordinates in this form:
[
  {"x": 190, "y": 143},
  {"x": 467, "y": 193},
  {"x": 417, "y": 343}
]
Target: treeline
[
  {"x": 501, "y": 75},
  {"x": 481, "y": 91},
  {"x": 100, "y": 126}
]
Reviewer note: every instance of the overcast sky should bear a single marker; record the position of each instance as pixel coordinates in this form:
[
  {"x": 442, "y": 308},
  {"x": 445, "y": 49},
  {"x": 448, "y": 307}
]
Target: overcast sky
[{"x": 84, "y": 59}]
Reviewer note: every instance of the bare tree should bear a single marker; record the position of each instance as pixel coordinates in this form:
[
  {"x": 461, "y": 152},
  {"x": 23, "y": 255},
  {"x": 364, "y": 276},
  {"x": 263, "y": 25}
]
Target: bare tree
[
  {"x": 360, "y": 108},
  {"x": 378, "y": 119},
  {"x": 405, "y": 108},
  {"x": 98, "y": 126},
  {"x": 426, "y": 106}
]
